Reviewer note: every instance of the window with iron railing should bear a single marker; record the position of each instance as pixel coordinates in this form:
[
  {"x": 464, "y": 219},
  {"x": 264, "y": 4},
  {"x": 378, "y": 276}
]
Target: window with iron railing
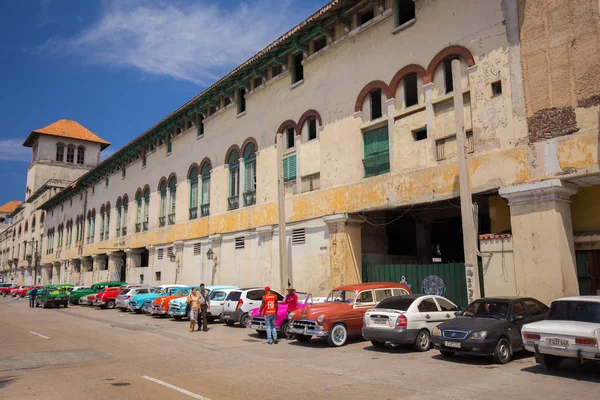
[
  {"x": 205, "y": 210},
  {"x": 233, "y": 202}
]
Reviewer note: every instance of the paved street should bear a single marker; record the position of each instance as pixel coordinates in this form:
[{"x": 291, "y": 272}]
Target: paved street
[{"x": 84, "y": 353}]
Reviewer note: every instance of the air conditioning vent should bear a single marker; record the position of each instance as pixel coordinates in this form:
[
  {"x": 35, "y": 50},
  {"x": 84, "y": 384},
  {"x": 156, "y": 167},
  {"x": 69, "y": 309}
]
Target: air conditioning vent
[
  {"x": 240, "y": 242},
  {"x": 160, "y": 254},
  {"x": 299, "y": 236},
  {"x": 170, "y": 251},
  {"x": 197, "y": 249}
]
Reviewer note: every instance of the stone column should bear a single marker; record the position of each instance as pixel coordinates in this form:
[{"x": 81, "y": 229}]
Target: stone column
[
  {"x": 178, "y": 251},
  {"x": 430, "y": 117},
  {"x": 345, "y": 252},
  {"x": 215, "y": 245},
  {"x": 133, "y": 260},
  {"x": 97, "y": 273},
  {"x": 298, "y": 145},
  {"x": 114, "y": 265},
  {"x": 151, "y": 250},
  {"x": 265, "y": 249},
  {"x": 391, "y": 111},
  {"x": 544, "y": 253}
]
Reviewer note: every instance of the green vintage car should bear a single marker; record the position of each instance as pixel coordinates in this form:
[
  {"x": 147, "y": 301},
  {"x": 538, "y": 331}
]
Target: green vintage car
[
  {"x": 52, "y": 296},
  {"x": 95, "y": 288}
]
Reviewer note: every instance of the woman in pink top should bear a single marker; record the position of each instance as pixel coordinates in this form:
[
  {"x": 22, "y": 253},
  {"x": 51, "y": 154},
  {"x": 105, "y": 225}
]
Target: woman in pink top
[{"x": 291, "y": 299}]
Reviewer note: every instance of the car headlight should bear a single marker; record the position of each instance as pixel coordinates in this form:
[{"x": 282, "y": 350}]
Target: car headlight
[
  {"x": 320, "y": 319},
  {"x": 479, "y": 335},
  {"x": 436, "y": 331}
]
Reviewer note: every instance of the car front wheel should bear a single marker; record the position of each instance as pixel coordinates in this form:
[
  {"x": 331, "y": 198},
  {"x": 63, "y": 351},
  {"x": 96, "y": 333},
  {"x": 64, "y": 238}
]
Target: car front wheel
[
  {"x": 502, "y": 352},
  {"x": 423, "y": 341},
  {"x": 552, "y": 362},
  {"x": 338, "y": 335}
]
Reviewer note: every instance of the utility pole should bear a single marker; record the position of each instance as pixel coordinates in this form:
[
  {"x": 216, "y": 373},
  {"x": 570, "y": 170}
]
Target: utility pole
[
  {"x": 283, "y": 265},
  {"x": 466, "y": 202}
]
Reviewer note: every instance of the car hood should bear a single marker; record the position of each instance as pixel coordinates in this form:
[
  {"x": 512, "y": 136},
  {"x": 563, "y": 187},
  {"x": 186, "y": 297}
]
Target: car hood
[
  {"x": 568, "y": 328},
  {"x": 469, "y": 324},
  {"x": 146, "y": 296},
  {"x": 321, "y": 308},
  {"x": 163, "y": 299}
]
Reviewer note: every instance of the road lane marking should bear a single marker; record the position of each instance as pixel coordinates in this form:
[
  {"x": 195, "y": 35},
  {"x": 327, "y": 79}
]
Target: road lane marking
[
  {"x": 37, "y": 334},
  {"x": 180, "y": 390}
]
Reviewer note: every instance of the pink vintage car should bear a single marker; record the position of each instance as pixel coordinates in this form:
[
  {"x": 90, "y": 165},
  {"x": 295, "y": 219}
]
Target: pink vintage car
[{"x": 281, "y": 322}]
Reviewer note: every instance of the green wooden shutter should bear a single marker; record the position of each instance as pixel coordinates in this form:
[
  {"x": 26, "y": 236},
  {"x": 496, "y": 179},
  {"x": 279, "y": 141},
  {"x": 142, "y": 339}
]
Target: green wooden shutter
[
  {"x": 376, "y": 149},
  {"x": 289, "y": 167}
]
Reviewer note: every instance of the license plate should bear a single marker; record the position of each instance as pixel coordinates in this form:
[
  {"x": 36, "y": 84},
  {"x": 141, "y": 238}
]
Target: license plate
[
  {"x": 455, "y": 345},
  {"x": 557, "y": 342},
  {"x": 379, "y": 321}
]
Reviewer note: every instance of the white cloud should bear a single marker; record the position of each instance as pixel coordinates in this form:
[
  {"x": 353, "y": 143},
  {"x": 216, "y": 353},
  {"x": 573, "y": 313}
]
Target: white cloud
[
  {"x": 105, "y": 154},
  {"x": 13, "y": 150},
  {"x": 195, "y": 41}
]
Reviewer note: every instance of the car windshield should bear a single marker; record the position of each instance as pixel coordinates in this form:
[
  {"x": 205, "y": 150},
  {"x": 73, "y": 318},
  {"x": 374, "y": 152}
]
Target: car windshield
[
  {"x": 125, "y": 291},
  {"x": 487, "y": 309},
  {"x": 580, "y": 311},
  {"x": 342, "y": 296},
  {"x": 183, "y": 292},
  {"x": 401, "y": 303}
]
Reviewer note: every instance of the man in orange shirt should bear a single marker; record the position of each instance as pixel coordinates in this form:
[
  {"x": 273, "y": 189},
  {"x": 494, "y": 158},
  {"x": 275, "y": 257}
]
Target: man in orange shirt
[{"x": 268, "y": 308}]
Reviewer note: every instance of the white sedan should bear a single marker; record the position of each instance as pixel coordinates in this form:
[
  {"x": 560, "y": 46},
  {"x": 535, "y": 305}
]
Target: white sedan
[
  {"x": 408, "y": 319},
  {"x": 571, "y": 330}
]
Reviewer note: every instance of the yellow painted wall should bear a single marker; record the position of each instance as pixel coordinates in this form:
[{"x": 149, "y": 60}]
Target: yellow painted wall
[
  {"x": 499, "y": 214},
  {"x": 585, "y": 209}
]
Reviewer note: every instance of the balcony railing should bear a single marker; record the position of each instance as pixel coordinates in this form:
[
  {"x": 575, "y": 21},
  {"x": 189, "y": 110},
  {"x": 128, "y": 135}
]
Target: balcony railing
[
  {"x": 205, "y": 210},
  {"x": 161, "y": 221},
  {"x": 124, "y": 231},
  {"x": 171, "y": 219},
  {"x": 138, "y": 227},
  {"x": 250, "y": 198},
  {"x": 118, "y": 232},
  {"x": 145, "y": 225},
  {"x": 377, "y": 164},
  {"x": 193, "y": 212},
  {"x": 234, "y": 202}
]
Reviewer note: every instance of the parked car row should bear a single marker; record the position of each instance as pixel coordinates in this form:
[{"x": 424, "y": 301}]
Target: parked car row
[{"x": 387, "y": 314}]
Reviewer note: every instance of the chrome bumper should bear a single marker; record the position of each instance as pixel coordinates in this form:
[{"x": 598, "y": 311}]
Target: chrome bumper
[
  {"x": 98, "y": 302},
  {"x": 157, "y": 311},
  {"x": 538, "y": 348},
  {"x": 308, "y": 329},
  {"x": 122, "y": 304},
  {"x": 176, "y": 313}
]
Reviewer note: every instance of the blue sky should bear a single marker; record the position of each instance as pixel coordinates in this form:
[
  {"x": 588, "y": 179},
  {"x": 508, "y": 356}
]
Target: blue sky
[{"x": 119, "y": 66}]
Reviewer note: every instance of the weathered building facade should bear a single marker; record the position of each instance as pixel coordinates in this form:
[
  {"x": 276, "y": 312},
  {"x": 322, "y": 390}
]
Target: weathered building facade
[{"x": 354, "y": 108}]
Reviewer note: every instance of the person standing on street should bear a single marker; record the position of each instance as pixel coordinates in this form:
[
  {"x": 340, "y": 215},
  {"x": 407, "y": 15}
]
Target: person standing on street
[
  {"x": 268, "y": 308},
  {"x": 193, "y": 300},
  {"x": 204, "y": 308},
  {"x": 291, "y": 299},
  {"x": 32, "y": 296}
]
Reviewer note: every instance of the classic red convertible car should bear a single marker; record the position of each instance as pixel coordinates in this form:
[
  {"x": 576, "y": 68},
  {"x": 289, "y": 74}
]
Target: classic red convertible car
[{"x": 22, "y": 291}]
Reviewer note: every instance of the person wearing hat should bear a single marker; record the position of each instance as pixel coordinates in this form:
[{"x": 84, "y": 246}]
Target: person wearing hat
[
  {"x": 268, "y": 308},
  {"x": 291, "y": 299}
]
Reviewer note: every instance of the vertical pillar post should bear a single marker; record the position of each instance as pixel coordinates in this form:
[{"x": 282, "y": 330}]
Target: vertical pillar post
[
  {"x": 466, "y": 202},
  {"x": 298, "y": 145},
  {"x": 345, "y": 251},
  {"x": 242, "y": 182},
  {"x": 391, "y": 111},
  {"x": 215, "y": 245},
  {"x": 283, "y": 265},
  {"x": 428, "y": 88},
  {"x": 151, "y": 261}
]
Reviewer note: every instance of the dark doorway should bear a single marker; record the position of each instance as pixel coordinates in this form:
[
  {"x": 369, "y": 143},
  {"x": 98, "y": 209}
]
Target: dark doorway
[{"x": 123, "y": 269}]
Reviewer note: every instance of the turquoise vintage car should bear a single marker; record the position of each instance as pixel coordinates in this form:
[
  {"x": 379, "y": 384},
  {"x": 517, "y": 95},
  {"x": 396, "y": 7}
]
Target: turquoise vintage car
[
  {"x": 137, "y": 302},
  {"x": 177, "y": 306}
]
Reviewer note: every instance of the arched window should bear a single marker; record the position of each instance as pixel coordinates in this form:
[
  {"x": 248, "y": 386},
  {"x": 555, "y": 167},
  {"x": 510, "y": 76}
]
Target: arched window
[
  {"x": 70, "y": 154},
  {"x": 205, "y": 173},
  {"x": 42, "y": 218},
  {"x": 107, "y": 229},
  {"x": 119, "y": 214},
  {"x": 80, "y": 155},
  {"x": 162, "y": 188},
  {"x": 250, "y": 174},
  {"x": 33, "y": 224},
  {"x": 69, "y": 232},
  {"x": 193, "y": 178},
  {"x": 172, "y": 199},
  {"x": 77, "y": 229},
  {"x": 234, "y": 180},
  {"x": 125, "y": 208},
  {"x": 26, "y": 226},
  {"x": 60, "y": 152},
  {"x": 103, "y": 221},
  {"x": 19, "y": 230},
  {"x": 146, "y": 208},
  {"x": 138, "y": 212}
]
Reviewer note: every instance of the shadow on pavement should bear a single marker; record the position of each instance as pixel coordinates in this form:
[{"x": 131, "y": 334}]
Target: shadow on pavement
[
  {"x": 6, "y": 380},
  {"x": 479, "y": 360},
  {"x": 403, "y": 349},
  {"x": 570, "y": 369}
]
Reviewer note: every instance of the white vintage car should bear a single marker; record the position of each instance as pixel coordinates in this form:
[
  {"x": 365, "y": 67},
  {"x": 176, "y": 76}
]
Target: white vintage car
[{"x": 571, "y": 330}]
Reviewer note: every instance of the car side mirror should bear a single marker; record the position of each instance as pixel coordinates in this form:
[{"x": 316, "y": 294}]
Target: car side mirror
[{"x": 518, "y": 318}]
